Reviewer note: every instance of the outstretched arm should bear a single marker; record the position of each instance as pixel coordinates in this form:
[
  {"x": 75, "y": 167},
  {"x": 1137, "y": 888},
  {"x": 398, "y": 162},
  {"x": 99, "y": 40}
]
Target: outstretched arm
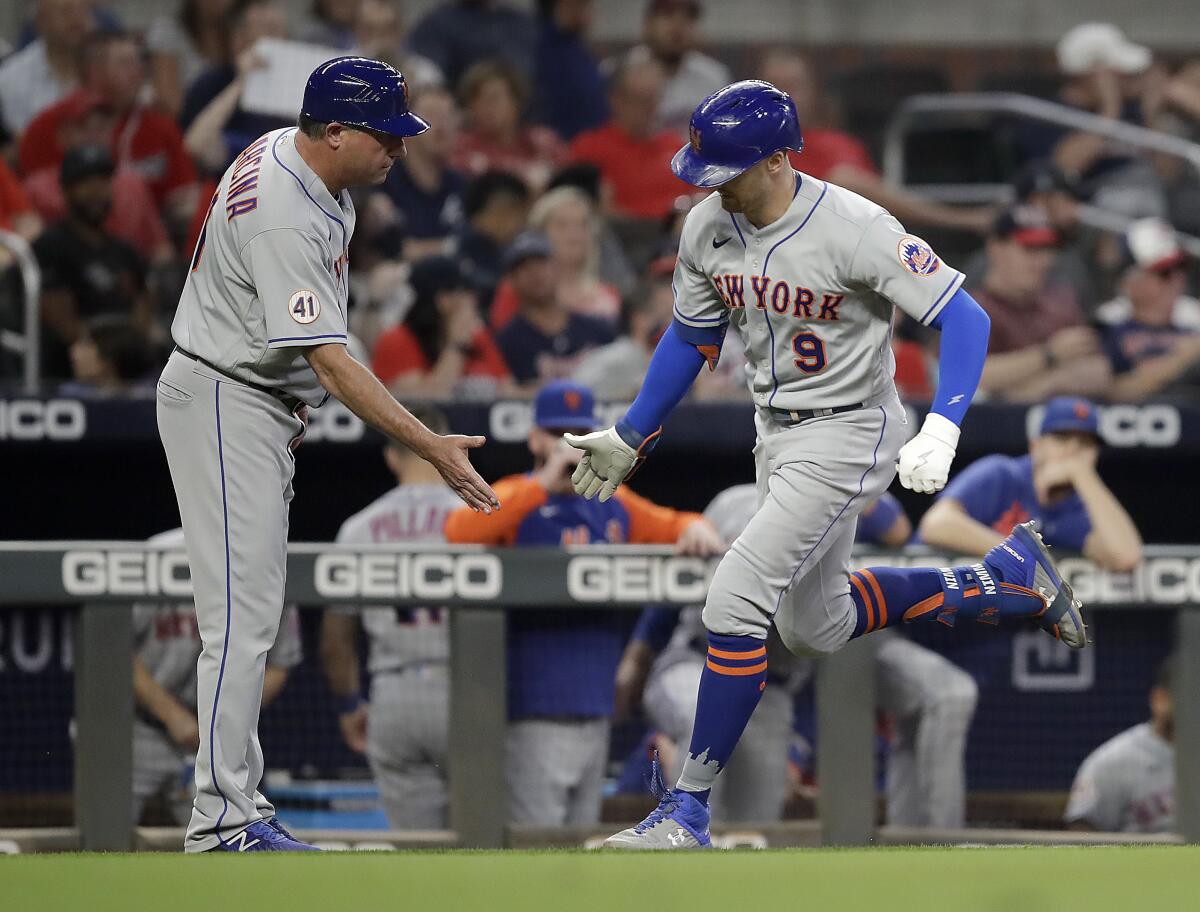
[
  {"x": 925, "y": 460},
  {"x": 611, "y": 455}
]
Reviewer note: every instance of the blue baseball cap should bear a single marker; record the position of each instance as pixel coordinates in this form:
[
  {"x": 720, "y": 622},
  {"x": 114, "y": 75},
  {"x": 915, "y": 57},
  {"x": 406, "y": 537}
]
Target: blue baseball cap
[
  {"x": 1070, "y": 414},
  {"x": 564, "y": 405}
]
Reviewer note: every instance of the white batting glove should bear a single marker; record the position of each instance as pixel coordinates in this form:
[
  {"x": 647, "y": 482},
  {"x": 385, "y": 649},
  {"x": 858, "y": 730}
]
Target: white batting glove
[
  {"x": 924, "y": 462},
  {"x": 607, "y": 461}
]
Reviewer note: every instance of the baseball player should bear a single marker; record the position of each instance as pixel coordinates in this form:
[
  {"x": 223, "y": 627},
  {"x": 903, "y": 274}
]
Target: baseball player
[
  {"x": 808, "y": 274},
  {"x": 260, "y": 335},
  {"x": 931, "y": 700},
  {"x": 405, "y": 740},
  {"x": 1127, "y": 784},
  {"x": 165, "y": 730}
]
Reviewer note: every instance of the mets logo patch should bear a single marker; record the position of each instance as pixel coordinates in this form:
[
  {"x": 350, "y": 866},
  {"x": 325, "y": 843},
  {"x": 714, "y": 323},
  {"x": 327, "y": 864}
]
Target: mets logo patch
[
  {"x": 694, "y": 138},
  {"x": 917, "y": 256}
]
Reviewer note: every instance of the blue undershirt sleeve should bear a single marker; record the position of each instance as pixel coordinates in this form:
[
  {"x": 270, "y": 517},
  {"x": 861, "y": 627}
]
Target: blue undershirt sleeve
[
  {"x": 655, "y": 626},
  {"x": 680, "y": 354},
  {"x": 964, "y": 326}
]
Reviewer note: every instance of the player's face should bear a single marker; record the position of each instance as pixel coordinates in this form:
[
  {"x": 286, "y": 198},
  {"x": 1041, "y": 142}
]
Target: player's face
[{"x": 746, "y": 191}]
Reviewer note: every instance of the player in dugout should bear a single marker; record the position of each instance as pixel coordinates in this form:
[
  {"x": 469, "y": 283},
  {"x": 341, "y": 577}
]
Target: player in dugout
[
  {"x": 561, "y": 664},
  {"x": 1056, "y": 483}
]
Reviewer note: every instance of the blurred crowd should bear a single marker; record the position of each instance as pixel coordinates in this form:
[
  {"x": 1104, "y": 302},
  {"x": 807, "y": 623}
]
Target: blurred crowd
[{"x": 530, "y": 235}]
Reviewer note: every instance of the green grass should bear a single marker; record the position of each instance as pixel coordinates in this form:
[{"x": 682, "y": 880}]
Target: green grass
[{"x": 1097, "y": 879}]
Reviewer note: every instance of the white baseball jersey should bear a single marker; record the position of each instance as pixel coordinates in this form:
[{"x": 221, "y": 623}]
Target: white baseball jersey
[
  {"x": 269, "y": 273},
  {"x": 811, "y": 294},
  {"x": 1127, "y": 784},
  {"x": 166, "y": 638},
  {"x": 407, "y": 513}
]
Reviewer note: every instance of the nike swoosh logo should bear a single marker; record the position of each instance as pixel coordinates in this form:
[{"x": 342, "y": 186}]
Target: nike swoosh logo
[{"x": 721, "y": 243}]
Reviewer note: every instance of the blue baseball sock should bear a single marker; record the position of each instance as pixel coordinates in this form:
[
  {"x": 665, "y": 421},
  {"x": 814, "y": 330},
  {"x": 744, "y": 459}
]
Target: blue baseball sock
[
  {"x": 733, "y": 679},
  {"x": 885, "y": 596}
]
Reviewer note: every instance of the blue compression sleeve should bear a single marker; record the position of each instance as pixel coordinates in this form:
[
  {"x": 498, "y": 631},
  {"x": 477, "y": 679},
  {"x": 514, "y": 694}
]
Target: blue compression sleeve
[
  {"x": 965, "y": 327},
  {"x": 655, "y": 626},
  {"x": 673, "y": 369}
]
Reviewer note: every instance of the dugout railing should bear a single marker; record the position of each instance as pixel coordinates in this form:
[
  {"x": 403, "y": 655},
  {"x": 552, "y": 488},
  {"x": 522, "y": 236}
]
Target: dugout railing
[{"x": 105, "y": 578}]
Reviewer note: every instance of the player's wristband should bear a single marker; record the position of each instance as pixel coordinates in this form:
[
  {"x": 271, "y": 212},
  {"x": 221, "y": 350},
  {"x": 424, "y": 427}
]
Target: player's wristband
[{"x": 350, "y": 704}]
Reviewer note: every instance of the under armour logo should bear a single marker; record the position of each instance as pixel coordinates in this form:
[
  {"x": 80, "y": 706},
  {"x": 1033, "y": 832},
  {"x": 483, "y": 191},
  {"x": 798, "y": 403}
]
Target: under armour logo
[
  {"x": 954, "y": 400},
  {"x": 679, "y": 837}
]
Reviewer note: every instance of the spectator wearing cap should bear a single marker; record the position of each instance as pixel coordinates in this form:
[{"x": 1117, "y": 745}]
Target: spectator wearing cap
[
  {"x": 495, "y": 209},
  {"x": 569, "y": 89},
  {"x": 426, "y": 193},
  {"x": 1151, "y": 330},
  {"x": 562, "y": 665},
  {"x": 1039, "y": 345},
  {"x": 85, "y": 270},
  {"x": 456, "y": 35},
  {"x": 836, "y": 156},
  {"x": 545, "y": 339},
  {"x": 1105, "y": 74},
  {"x": 495, "y": 98},
  {"x": 216, "y": 127},
  {"x": 632, "y": 152},
  {"x": 442, "y": 350},
  {"x": 110, "y": 356},
  {"x": 568, "y": 218},
  {"x": 141, "y": 139},
  {"x": 182, "y": 45},
  {"x": 670, "y": 36},
  {"x": 1056, "y": 483},
  {"x": 45, "y": 70}
]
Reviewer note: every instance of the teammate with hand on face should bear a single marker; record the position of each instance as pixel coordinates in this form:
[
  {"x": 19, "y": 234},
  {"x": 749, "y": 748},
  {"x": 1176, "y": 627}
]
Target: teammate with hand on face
[{"x": 809, "y": 275}]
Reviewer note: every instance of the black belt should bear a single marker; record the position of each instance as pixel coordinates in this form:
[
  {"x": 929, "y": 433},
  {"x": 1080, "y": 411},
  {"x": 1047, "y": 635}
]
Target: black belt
[
  {"x": 287, "y": 399},
  {"x": 795, "y": 416}
]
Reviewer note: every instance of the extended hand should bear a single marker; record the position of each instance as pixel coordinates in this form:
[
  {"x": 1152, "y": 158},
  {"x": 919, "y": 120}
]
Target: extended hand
[
  {"x": 448, "y": 454},
  {"x": 607, "y": 461},
  {"x": 354, "y": 729},
  {"x": 925, "y": 460}
]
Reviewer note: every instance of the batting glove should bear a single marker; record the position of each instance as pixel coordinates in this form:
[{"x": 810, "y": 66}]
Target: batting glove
[
  {"x": 607, "y": 461},
  {"x": 925, "y": 460}
]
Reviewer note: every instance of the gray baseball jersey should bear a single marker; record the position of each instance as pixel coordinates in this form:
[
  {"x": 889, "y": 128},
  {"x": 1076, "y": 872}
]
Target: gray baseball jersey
[
  {"x": 811, "y": 294},
  {"x": 407, "y": 513},
  {"x": 1127, "y": 784},
  {"x": 269, "y": 274},
  {"x": 167, "y": 639}
]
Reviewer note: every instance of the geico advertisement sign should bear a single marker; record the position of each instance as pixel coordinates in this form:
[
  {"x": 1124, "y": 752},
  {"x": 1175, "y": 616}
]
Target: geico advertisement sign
[
  {"x": 632, "y": 578},
  {"x": 37, "y": 419},
  {"x": 132, "y": 573},
  {"x": 472, "y": 577},
  {"x": 1127, "y": 425}
]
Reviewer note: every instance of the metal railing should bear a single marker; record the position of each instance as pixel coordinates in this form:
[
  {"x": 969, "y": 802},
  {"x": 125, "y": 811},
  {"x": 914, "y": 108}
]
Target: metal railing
[
  {"x": 479, "y": 585},
  {"x": 25, "y": 344},
  {"x": 922, "y": 110}
]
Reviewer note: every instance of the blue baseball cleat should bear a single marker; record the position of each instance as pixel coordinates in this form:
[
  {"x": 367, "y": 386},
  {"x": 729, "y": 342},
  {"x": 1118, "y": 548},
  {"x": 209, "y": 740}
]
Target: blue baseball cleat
[
  {"x": 1023, "y": 564},
  {"x": 679, "y": 822},
  {"x": 264, "y": 836}
]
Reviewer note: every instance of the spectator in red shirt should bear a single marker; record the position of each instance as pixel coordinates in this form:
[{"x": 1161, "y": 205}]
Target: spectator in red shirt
[
  {"x": 633, "y": 155},
  {"x": 142, "y": 139},
  {"x": 839, "y": 158},
  {"x": 495, "y": 96},
  {"x": 442, "y": 350},
  {"x": 135, "y": 221},
  {"x": 1039, "y": 345},
  {"x": 568, "y": 219}
]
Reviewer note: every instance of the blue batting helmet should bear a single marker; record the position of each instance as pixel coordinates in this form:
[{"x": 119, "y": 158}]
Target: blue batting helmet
[
  {"x": 361, "y": 92},
  {"x": 734, "y": 128}
]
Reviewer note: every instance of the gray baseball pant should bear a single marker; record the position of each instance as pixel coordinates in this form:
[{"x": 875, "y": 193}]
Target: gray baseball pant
[
  {"x": 555, "y": 770},
  {"x": 407, "y": 734},
  {"x": 227, "y": 447},
  {"x": 791, "y": 564}
]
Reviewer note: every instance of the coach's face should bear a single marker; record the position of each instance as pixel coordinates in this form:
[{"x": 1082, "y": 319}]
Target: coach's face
[{"x": 366, "y": 155}]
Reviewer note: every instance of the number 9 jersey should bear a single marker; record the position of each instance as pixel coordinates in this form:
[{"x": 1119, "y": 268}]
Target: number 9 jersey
[
  {"x": 269, "y": 273},
  {"x": 811, "y": 294}
]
